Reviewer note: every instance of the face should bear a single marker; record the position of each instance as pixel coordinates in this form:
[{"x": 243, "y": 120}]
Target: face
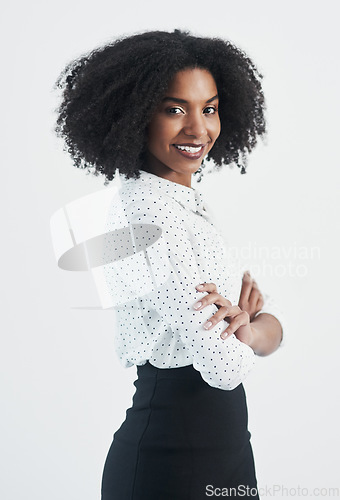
[{"x": 184, "y": 127}]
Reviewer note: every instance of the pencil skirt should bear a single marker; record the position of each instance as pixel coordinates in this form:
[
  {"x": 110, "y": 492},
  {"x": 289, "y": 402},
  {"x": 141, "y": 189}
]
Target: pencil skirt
[{"x": 181, "y": 440}]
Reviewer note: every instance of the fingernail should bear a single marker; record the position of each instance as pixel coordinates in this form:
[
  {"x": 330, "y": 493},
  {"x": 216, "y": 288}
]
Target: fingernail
[
  {"x": 199, "y": 287},
  {"x": 197, "y": 305},
  {"x": 207, "y": 325},
  {"x": 224, "y": 335}
]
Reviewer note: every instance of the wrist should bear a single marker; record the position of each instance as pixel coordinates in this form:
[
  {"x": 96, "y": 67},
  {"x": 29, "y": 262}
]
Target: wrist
[{"x": 254, "y": 338}]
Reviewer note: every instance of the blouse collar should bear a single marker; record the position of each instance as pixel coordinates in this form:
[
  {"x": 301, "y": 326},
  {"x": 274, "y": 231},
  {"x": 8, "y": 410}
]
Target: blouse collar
[{"x": 188, "y": 197}]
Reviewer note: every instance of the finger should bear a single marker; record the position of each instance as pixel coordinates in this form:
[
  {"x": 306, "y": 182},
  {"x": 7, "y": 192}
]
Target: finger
[
  {"x": 254, "y": 296},
  {"x": 232, "y": 312},
  {"x": 216, "y": 318},
  {"x": 241, "y": 320},
  {"x": 260, "y": 303},
  {"x": 246, "y": 289},
  {"x": 211, "y": 298},
  {"x": 226, "y": 312},
  {"x": 207, "y": 287}
]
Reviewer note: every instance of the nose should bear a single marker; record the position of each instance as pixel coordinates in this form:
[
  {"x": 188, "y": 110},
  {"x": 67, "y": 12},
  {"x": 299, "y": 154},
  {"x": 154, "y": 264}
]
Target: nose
[{"x": 195, "y": 125}]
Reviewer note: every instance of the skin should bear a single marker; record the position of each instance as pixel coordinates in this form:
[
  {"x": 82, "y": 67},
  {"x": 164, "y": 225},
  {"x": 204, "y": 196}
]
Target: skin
[
  {"x": 188, "y": 114},
  {"x": 263, "y": 333},
  {"x": 194, "y": 121}
]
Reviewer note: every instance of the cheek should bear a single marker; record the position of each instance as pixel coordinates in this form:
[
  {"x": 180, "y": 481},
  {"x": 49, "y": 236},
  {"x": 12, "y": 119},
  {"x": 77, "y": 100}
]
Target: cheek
[
  {"x": 216, "y": 129},
  {"x": 159, "y": 132}
]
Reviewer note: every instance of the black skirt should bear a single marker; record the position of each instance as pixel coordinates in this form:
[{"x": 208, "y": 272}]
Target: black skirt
[{"x": 181, "y": 440}]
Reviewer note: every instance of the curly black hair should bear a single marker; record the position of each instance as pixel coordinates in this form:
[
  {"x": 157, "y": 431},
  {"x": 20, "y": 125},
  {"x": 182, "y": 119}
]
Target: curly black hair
[{"x": 110, "y": 95}]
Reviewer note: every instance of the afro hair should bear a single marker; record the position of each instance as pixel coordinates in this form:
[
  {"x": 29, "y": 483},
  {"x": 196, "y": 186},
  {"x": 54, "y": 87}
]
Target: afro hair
[{"x": 110, "y": 95}]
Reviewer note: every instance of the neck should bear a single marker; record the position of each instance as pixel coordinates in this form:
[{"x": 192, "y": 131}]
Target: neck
[{"x": 161, "y": 170}]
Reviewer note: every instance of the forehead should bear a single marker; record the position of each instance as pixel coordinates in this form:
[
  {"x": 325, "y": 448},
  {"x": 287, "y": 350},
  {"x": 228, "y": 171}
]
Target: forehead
[{"x": 192, "y": 84}]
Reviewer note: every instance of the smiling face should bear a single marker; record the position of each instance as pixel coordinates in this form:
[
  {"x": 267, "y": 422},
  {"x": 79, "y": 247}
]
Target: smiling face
[{"x": 184, "y": 127}]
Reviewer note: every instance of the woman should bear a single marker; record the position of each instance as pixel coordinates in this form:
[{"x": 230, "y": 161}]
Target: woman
[{"x": 154, "y": 106}]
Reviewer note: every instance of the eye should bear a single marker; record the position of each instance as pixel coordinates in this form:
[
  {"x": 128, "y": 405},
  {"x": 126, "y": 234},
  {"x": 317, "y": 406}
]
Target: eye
[
  {"x": 175, "y": 110},
  {"x": 210, "y": 110}
]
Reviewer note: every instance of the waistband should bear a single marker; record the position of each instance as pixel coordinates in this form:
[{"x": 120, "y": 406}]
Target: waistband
[{"x": 182, "y": 372}]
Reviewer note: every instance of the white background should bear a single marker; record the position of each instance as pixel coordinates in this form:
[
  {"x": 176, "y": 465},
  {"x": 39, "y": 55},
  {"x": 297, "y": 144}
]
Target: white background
[{"x": 63, "y": 391}]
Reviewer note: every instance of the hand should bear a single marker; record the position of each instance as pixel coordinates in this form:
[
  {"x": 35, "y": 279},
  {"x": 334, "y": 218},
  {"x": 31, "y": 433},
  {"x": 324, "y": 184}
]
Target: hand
[
  {"x": 239, "y": 321},
  {"x": 251, "y": 299}
]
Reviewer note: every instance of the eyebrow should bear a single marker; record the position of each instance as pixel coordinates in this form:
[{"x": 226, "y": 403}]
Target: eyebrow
[{"x": 177, "y": 99}]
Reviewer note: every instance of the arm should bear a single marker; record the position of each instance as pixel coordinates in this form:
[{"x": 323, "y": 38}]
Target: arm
[
  {"x": 248, "y": 321},
  {"x": 267, "y": 331},
  {"x": 267, "y": 334},
  {"x": 222, "y": 363}
]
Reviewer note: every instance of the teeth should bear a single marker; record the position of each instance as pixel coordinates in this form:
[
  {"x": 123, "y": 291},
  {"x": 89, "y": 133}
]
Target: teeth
[{"x": 189, "y": 149}]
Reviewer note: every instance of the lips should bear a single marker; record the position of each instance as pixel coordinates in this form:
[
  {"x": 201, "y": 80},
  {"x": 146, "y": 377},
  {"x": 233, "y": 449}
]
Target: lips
[{"x": 190, "y": 151}]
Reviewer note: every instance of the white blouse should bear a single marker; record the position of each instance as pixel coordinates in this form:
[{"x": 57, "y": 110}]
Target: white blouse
[{"x": 155, "y": 291}]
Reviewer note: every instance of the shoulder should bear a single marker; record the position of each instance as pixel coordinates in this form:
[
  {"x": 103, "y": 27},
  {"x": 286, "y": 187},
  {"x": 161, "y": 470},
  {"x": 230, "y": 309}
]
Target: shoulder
[
  {"x": 146, "y": 212},
  {"x": 141, "y": 200}
]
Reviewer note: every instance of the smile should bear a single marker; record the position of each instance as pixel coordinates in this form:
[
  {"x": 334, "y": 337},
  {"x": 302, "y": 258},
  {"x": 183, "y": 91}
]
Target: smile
[{"x": 189, "y": 149}]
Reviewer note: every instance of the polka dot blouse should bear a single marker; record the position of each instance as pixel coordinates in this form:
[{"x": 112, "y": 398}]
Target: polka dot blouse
[{"x": 176, "y": 247}]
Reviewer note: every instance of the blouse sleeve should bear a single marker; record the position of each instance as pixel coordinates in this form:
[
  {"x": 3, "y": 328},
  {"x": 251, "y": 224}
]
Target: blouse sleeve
[{"x": 222, "y": 363}]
